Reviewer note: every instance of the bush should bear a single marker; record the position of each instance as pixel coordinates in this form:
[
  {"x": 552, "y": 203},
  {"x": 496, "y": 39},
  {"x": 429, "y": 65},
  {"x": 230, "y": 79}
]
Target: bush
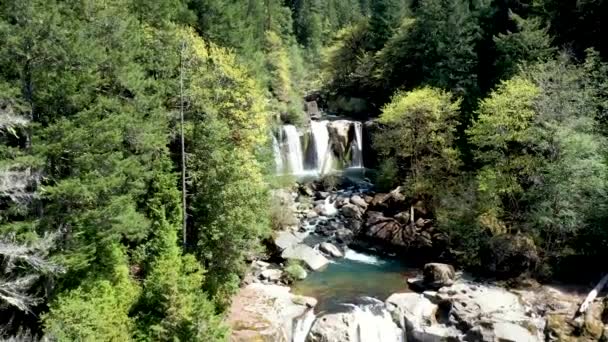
[{"x": 294, "y": 271}]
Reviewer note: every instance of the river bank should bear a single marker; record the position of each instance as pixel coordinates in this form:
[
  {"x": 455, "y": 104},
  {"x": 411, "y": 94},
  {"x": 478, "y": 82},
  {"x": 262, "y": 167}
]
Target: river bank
[{"x": 355, "y": 294}]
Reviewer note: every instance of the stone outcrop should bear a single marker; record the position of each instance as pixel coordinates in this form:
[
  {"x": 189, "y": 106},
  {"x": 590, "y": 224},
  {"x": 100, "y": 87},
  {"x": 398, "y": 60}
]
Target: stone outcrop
[
  {"x": 339, "y": 135},
  {"x": 312, "y": 258},
  {"x": 438, "y": 275},
  {"x": 331, "y": 250},
  {"x": 363, "y": 323},
  {"x": 265, "y": 313}
]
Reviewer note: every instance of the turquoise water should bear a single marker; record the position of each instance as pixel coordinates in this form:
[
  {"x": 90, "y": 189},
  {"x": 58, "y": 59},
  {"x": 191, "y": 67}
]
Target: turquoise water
[{"x": 357, "y": 275}]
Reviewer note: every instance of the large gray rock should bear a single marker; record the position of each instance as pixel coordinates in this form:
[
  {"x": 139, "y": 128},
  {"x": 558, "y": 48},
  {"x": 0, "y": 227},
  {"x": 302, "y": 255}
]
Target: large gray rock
[
  {"x": 286, "y": 239},
  {"x": 313, "y": 259},
  {"x": 330, "y": 249},
  {"x": 352, "y": 211},
  {"x": 344, "y": 235},
  {"x": 360, "y": 202},
  {"x": 417, "y": 315},
  {"x": 271, "y": 275},
  {"x": 367, "y": 323},
  {"x": 486, "y": 306},
  {"x": 265, "y": 313},
  {"x": 338, "y": 135},
  {"x": 437, "y": 275}
]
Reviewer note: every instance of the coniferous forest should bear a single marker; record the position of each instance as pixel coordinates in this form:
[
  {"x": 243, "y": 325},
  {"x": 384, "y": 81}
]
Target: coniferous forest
[{"x": 492, "y": 112}]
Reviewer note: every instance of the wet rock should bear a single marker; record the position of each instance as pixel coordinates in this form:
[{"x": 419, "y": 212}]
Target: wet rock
[
  {"x": 264, "y": 313},
  {"x": 313, "y": 259},
  {"x": 311, "y": 215},
  {"x": 344, "y": 235},
  {"x": 338, "y": 135},
  {"x": 364, "y": 323},
  {"x": 420, "y": 223},
  {"x": 437, "y": 275},
  {"x": 352, "y": 211},
  {"x": 416, "y": 284},
  {"x": 358, "y": 201},
  {"x": 330, "y": 249},
  {"x": 322, "y": 195}
]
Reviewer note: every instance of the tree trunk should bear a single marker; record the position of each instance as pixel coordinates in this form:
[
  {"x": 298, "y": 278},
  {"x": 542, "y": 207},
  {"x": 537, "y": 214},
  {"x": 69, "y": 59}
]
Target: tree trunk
[{"x": 183, "y": 147}]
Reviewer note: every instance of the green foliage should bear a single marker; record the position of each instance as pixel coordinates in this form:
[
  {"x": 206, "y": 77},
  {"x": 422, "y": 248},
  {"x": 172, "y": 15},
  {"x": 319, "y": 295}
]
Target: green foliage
[
  {"x": 418, "y": 132},
  {"x": 294, "y": 270},
  {"x": 97, "y": 310},
  {"x": 529, "y": 44},
  {"x": 229, "y": 195},
  {"x": 543, "y": 159},
  {"x": 173, "y": 306}
]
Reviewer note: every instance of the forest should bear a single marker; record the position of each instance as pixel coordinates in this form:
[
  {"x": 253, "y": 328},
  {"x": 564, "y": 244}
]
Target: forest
[{"x": 493, "y": 112}]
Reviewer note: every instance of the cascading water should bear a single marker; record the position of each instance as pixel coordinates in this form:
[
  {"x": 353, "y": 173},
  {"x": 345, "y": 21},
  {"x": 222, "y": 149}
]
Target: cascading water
[
  {"x": 357, "y": 146},
  {"x": 375, "y": 324},
  {"x": 294, "y": 149},
  {"x": 310, "y": 152},
  {"x": 324, "y": 157},
  {"x": 302, "y": 326}
]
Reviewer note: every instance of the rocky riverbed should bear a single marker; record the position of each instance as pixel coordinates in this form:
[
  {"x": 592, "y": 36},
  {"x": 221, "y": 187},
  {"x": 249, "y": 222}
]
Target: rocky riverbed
[{"x": 339, "y": 303}]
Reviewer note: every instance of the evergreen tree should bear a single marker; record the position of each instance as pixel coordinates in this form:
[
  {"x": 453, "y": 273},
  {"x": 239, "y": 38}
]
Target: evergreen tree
[
  {"x": 531, "y": 43},
  {"x": 418, "y": 137}
]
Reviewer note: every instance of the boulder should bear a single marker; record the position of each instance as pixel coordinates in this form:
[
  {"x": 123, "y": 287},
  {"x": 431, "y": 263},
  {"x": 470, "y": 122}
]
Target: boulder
[
  {"x": 333, "y": 328},
  {"x": 352, "y": 211},
  {"x": 344, "y": 235},
  {"x": 338, "y": 135},
  {"x": 330, "y": 249},
  {"x": 503, "y": 332},
  {"x": 261, "y": 312},
  {"x": 473, "y": 305},
  {"x": 358, "y": 201},
  {"x": 312, "y": 214},
  {"x": 416, "y": 314},
  {"x": 388, "y": 230},
  {"x": 437, "y": 275},
  {"x": 271, "y": 275},
  {"x": 285, "y": 239},
  {"x": 313, "y": 259},
  {"x": 370, "y": 322},
  {"x": 403, "y": 217}
]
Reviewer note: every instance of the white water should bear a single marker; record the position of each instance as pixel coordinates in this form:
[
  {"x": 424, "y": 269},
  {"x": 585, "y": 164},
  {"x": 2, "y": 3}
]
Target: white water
[
  {"x": 362, "y": 258},
  {"x": 278, "y": 158},
  {"x": 324, "y": 157},
  {"x": 375, "y": 324},
  {"x": 294, "y": 149},
  {"x": 329, "y": 208},
  {"x": 357, "y": 146},
  {"x": 303, "y": 325},
  {"x": 319, "y": 158}
]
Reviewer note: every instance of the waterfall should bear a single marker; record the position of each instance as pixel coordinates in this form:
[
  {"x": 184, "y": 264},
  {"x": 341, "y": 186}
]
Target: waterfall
[
  {"x": 294, "y": 149},
  {"x": 357, "y": 146},
  {"x": 323, "y": 153},
  {"x": 302, "y": 326},
  {"x": 375, "y": 324},
  {"x": 310, "y": 152},
  {"x": 278, "y": 158}
]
